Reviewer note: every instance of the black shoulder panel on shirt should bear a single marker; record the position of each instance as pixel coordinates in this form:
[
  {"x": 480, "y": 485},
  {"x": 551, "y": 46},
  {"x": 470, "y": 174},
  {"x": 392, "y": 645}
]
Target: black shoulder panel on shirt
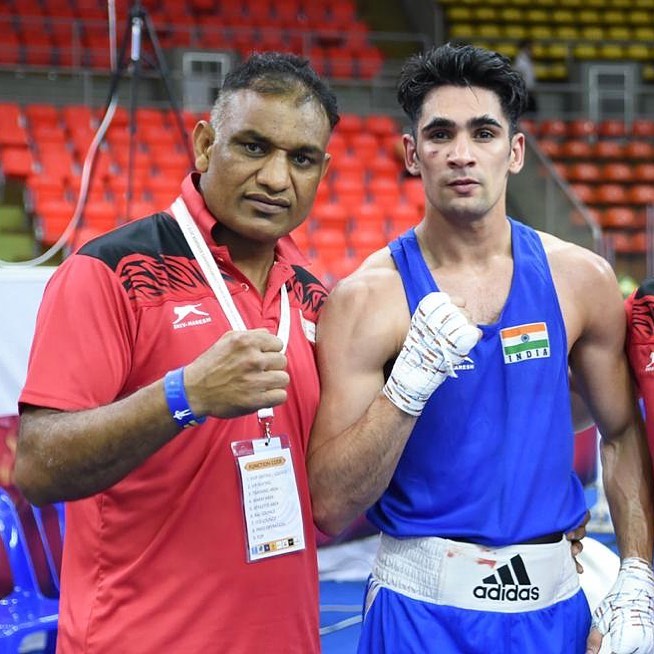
[
  {"x": 646, "y": 288},
  {"x": 309, "y": 290},
  {"x": 153, "y": 237}
]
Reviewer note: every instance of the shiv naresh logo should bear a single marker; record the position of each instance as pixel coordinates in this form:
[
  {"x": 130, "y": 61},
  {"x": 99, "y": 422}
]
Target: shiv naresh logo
[{"x": 185, "y": 311}]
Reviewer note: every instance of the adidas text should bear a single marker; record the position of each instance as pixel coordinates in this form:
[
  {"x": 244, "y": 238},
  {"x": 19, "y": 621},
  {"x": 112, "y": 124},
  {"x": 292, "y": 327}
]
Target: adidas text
[{"x": 507, "y": 593}]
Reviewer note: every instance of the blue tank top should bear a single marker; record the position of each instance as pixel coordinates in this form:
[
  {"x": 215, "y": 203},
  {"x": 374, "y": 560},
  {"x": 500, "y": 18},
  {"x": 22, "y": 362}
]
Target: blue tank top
[{"x": 491, "y": 457}]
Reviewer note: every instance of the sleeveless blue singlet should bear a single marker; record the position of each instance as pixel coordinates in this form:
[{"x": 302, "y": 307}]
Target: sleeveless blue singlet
[{"x": 491, "y": 458}]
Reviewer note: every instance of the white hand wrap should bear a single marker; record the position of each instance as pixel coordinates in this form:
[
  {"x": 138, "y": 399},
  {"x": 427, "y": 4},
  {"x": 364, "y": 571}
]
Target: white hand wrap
[
  {"x": 439, "y": 337},
  {"x": 626, "y": 614}
]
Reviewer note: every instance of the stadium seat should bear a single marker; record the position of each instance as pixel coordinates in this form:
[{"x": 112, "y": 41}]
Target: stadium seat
[
  {"x": 369, "y": 214},
  {"x": 16, "y": 161},
  {"x": 366, "y": 239},
  {"x": 365, "y": 146},
  {"x": 643, "y": 128},
  {"x": 584, "y": 192},
  {"x": 42, "y": 114},
  {"x": 50, "y": 524},
  {"x": 384, "y": 190},
  {"x": 611, "y": 129},
  {"x": 332, "y": 215},
  {"x": 620, "y": 218},
  {"x": 611, "y": 194},
  {"x": 553, "y": 128},
  {"x": 349, "y": 189},
  {"x": 581, "y": 129},
  {"x": 349, "y": 124},
  {"x": 644, "y": 172},
  {"x": 576, "y": 149},
  {"x": 346, "y": 165},
  {"x": 584, "y": 172},
  {"x": 27, "y": 616},
  {"x": 413, "y": 192},
  {"x": 616, "y": 172},
  {"x": 607, "y": 149},
  {"x": 639, "y": 151},
  {"x": 383, "y": 166},
  {"x": 51, "y": 218},
  {"x": 641, "y": 194},
  {"x": 101, "y": 215},
  {"x": 380, "y": 125},
  {"x": 402, "y": 217},
  {"x": 550, "y": 147}
]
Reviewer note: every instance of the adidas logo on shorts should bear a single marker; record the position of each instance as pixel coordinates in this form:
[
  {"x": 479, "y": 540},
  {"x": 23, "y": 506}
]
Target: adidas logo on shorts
[{"x": 509, "y": 583}]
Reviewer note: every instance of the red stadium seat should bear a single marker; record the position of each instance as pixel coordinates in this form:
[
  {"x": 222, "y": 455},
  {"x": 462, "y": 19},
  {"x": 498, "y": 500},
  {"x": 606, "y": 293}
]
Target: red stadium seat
[
  {"x": 576, "y": 149},
  {"x": 349, "y": 190},
  {"x": 581, "y": 129},
  {"x": 413, "y": 192},
  {"x": 553, "y": 128},
  {"x": 383, "y": 166},
  {"x": 611, "y": 194},
  {"x": 611, "y": 129},
  {"x": 605, "y": 149},
  {"x": 369, "y": 62},
  {"x": 337, "y": 145},
  {"x": 639, "y": 150},
  {"x": 402, "y": 217},
  {"x": 584, "y": 172},
  {"x": 346, "y": 164},
  {"x": 584, "y": 192},
  {"x": 332, "y": 215},
  {"x": 643, "y": 128},
  {"x": 100, "y": 215},
  {"x": 620, "y": 218},
  {"x": 616, "y": 172},
  {"x": 550, "y": 148},
  {"x": 370, "y": 214},
  {"x": 366, "y": 239},
  {"x": 384, "y": 190},
  {"x": 641, "y": 194},
  {"x": 380, "y": 125},
  {"x": 42, "y": 114},
  {"x": 349, "y": 124},
  {"x": 365, "y": 146},
  {"x": 644, "y": 172},
  {"x": 16, "y": 161}
]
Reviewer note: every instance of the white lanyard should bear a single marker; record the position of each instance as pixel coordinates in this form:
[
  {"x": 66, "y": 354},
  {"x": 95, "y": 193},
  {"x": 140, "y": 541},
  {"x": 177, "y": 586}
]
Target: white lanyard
[{"x": 206, "y": 261}]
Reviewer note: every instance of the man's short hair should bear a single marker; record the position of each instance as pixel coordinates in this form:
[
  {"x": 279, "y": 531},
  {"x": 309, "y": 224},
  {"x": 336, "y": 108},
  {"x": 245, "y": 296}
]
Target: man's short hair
[
  {"x": 461, "y": 65},
  {"x": 277, "y": 73}
]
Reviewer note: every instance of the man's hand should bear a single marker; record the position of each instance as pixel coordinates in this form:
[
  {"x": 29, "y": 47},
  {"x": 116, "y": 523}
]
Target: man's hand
[
  {"x": 243, "y": 371},
  {"x": 440, "y": 336},
  {"x": 626, "y": 614},
  {"x": 575, "y": 537}
]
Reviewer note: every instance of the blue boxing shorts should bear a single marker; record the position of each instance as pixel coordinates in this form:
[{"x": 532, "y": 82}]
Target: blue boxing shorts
[{"x": 434, "y": 596}]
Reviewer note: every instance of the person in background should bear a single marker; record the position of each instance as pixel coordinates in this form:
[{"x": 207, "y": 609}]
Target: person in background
[
  {"x": 640, "y": 348},
  {"x": 524, "y": 64},
  {"x": 445, "y": 406},
  {"x": 172, "y": 386}
]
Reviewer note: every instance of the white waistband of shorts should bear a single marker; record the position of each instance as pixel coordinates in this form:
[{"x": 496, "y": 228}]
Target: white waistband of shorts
[{"x": 510, "y": 579}]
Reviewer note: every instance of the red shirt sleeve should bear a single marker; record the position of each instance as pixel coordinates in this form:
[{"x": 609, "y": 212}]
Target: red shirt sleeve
[{"x": 82, "y": 348}]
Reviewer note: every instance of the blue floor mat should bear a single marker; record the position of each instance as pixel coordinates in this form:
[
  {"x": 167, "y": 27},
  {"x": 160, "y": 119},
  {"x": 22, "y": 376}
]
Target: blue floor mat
[{"x": 340, "y": 615}]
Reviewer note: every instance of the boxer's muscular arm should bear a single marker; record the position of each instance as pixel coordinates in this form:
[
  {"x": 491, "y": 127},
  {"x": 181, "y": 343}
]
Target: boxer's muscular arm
[{"x": 360, "y": 432}]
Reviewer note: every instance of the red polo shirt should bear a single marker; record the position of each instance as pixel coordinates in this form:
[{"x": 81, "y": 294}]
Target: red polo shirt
[{"x": 157, "y": 562}]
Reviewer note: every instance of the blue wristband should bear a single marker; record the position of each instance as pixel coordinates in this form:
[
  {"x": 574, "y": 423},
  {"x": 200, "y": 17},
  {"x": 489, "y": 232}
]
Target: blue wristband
[{"x": 177, "y": 402}]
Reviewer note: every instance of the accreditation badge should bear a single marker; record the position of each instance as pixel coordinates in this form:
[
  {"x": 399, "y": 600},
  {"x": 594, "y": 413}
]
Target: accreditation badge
[{"x": 270, "y": 499}]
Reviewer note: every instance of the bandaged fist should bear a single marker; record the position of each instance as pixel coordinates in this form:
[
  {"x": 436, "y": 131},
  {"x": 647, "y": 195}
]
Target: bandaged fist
[
  {"x": 626, "y": 615},
  {"x": 439, "y": 337}
]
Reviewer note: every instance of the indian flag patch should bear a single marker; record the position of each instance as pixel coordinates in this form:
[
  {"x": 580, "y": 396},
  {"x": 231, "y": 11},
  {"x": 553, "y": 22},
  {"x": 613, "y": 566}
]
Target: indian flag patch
[{"x": 525, "y": 342}]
